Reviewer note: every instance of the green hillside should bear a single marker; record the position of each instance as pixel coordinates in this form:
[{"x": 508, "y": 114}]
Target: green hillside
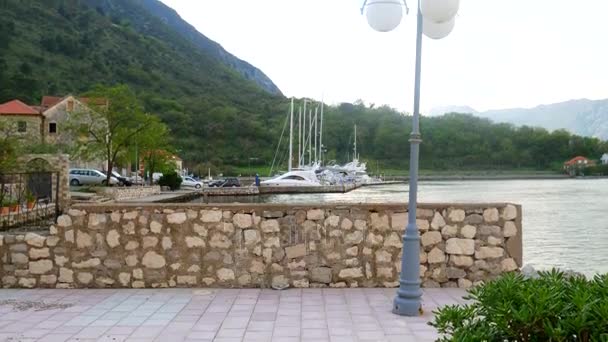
[{"x": 218, "y": 109}]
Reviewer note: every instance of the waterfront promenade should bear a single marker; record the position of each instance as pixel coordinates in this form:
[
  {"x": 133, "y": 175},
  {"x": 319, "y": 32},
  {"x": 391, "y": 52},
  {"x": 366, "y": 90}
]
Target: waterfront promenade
[{"x": 222, "y": 315}]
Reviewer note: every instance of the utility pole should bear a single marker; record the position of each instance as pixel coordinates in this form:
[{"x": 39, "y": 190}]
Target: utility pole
[
  {"x": 321, "y": 134},
  {"x": 310, "y": 136},
  {"x": 299, "y": 136},
  {"x": 316, "y": 133}
]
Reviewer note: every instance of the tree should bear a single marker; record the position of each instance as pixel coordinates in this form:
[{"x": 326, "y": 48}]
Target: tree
[
  {"x": 114, "y": 121},
  {"x": 9, "y": 145}
]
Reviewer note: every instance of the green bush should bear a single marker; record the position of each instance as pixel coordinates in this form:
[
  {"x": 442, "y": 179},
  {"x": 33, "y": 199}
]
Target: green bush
[
  {"x": 552, "y": 307},
  {"x": 170, "y": 179}
]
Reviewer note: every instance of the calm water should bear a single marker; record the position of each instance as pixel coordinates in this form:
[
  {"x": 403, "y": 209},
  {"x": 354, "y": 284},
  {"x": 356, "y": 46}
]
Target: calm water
[{"x": 565, "y": 222}]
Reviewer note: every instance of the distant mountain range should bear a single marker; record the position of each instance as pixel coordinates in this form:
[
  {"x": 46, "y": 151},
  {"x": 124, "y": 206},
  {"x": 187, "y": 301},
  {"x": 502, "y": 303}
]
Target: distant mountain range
[{"x": 583, "y": 117}]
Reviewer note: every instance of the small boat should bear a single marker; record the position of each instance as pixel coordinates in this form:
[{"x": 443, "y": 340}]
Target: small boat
[{"x": 294, "y": 178}]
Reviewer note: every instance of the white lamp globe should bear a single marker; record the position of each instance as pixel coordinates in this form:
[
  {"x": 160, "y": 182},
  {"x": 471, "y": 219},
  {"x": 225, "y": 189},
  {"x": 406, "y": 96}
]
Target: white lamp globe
[
  {"x": 439, "y": 11},
  {"x": 435, "y": 30},
  {"x": 384, "y": 15}
]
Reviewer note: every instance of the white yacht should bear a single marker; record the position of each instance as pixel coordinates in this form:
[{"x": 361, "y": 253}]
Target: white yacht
[{"x": 294, "y": 178}]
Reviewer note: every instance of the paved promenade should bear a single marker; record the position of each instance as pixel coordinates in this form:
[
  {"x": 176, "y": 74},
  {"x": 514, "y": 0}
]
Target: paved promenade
[{"x": 222, "y": 315}]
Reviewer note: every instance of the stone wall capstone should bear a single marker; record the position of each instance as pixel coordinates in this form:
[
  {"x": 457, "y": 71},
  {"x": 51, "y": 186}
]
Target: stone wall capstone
[{"x": 262, "y": 245}]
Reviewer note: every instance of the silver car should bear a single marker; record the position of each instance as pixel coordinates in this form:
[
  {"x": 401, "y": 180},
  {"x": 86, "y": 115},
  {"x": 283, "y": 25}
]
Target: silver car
[{"x": 89, "y": 177}]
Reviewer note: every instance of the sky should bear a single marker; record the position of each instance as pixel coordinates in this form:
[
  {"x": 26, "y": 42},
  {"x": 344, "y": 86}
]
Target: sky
[{"x": 501, "y": 54}]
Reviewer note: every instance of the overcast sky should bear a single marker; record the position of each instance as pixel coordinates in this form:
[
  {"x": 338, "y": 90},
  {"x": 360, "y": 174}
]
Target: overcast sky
[{"x": 501, "y": 54}]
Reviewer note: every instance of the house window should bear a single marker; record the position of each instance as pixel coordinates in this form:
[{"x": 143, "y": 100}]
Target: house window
[
  {"x": 70, "y": 105},
  {"x": 52, "y": 127},
  {"x": 21, "y": 126}
]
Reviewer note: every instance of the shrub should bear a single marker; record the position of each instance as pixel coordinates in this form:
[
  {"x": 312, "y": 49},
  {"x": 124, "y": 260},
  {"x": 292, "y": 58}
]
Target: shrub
[
  {"x": 552, "y": 307},
  {"x": 170, "y": 179}
]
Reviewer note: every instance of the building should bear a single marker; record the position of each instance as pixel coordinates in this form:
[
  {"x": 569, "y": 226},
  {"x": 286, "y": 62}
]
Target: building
[
  {"x": 56, "y": 111},
  {"x": 25, "y": 121},
  {"x": 576, "y": 165},
  {"x": 604, "y": 159}
]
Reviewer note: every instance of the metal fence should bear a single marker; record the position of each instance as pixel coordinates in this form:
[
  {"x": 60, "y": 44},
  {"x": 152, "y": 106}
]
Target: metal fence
[{"x": 29, "y": 199}]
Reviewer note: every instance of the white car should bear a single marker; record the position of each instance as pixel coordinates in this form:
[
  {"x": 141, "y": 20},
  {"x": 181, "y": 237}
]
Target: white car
[
  {"x": 90, "y": 177},
  {"x": 191, "y": 182}
]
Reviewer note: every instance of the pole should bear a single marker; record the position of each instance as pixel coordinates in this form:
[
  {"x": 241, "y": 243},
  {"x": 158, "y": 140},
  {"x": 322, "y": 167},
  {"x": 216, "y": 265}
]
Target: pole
[
  {"x": 316, "y": 132},
  {"x": 290, "y": 136},
  {"x": 299, "y": 136},
  {"x": 303, "y": 136},
  {"x": 355, "y": 149},
  {"x": 321, "y": 134},
  {"x": 407, "y": 301}
]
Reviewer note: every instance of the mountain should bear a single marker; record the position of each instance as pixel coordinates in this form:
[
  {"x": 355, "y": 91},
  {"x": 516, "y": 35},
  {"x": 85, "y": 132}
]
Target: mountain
[
  {"x": 450, "y": 109},
  {"x": 583, "y": 117},
  {"x": 58, "y": 47},
  {"x": 173, "y": 20}
]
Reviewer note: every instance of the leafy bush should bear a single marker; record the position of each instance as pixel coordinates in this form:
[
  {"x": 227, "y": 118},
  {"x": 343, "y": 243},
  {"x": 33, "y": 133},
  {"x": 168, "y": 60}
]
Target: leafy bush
[
  {"x": 170, "y": 179},
  {"x": 552, "y": 307}
]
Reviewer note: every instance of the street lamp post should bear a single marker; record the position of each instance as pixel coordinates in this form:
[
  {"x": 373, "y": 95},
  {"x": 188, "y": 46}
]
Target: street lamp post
[{"x": 436, "y": 22}]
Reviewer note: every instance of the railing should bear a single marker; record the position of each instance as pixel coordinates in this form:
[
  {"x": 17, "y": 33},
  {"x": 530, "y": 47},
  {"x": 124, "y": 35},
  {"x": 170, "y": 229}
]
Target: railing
[{"x": 28, "y": 199}]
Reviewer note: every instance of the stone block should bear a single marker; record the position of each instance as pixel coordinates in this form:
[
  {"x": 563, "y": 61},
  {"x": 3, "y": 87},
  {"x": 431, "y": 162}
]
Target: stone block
[
  {"x": 150, "y": 242},
  {"x": 430, "y": 238},
  {"x": 346, "y": 224},
  {"x": 242, "y": 220},
  {"x": 34, "y": 239},
  {"x": 464, "y": 283},
  {"x": 393, "y": 240},
  {"x": 438, "y": 222},
  {"x": 315, "y": 214},
  {"x": 399, "y": 221},
  {"x": 508, "y": 265},
  {"x": 509, "y": 212},
  {"x": 113, "y": 238},
  {"x": 436, "y": 256},
  {"x": 52, "y": 241},
  {"x": 64, "y": 221},
  {"x": 509, "y": 229},
  {"x": 272, "y": 242},
  {"x": 39, "y": 253},
  {"x": 373, "y": 239},
  {"x": 40, "y": 266},
  {"x": 332, "y": 221},
  {"x": 489, "y": 253},
  {"x": 93, "y": 262},
  {"x": 83, "y": 240},
  {"x": 321, "y": 275},
  {"x": 186, "y": 280},
  {"x": 19, "y": 258},
  {"x": 460, "y": 246},
  {"x": 131, "y": 245},
  {"x": 66, "y": 275},
  {"x": 251, "y": 236},
  {"x": 494, "y": 241},
  {"x": 69, "y": 236},
  {"x": 272, "y": 214},
  {"x": 473, "y": 219},
  {"x": 156, "y": 227},
  {"x": 379, "y": 222},
  {"x": 351, "y": 273},
  {"x": 383, "y": 256},
  {"x": 456, "y": 215},
  {"x": 423, "y": 225},
  {"x": 360, "y": 225},
  {"x": 296, "y": 251},
  {"x": 153, "y": 260},
  {"x": 218, "y": 241},
  {"x": 455, "y": 273},
  {"x": 176, "y": 218},
  {"x": 468, "y": 231},
  {"x": 385, "y": 272},
  {"x": 490, "y": 230},
  {"x": 356, "y": 237},
  {"x": 225, "y": 274},
  {"x": 461, "y": 260},
  {"x": 84, "y": 277},
  {"x": 209, "y": 216},
  {"x": 270, "y": 226},
  {"x": 490, "y": 215},
  {"x": 27, "y": 282}
]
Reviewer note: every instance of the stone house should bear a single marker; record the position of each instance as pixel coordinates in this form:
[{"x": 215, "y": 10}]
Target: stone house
[
  {"x": 25, "y": 121},
  {"x": 604, "y": 159},
  {"x": 576, "y": 165}
]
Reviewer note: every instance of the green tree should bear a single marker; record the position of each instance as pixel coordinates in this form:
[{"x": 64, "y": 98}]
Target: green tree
[{"x": 115, "y": 121}]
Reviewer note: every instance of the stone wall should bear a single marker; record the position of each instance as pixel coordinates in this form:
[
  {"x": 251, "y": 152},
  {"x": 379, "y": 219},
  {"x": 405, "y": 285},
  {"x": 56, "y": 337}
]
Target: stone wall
[
  {"x": 122, "y": 193},
  {"x": 249, "y": 245}
]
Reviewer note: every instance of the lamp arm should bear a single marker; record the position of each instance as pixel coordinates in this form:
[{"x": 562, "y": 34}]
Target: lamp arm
[{"x": 407, "y": 9}]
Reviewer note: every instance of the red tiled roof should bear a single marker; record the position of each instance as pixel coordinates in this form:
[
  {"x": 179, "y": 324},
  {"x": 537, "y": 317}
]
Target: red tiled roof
[
  {"x": 575, "y": 160},
  {"x": 16, "y": 107},
  {"x": 50, "y": 101}
]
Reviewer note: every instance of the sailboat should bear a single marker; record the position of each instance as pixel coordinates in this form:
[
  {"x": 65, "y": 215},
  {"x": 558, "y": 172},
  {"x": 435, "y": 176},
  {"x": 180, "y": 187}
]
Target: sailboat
[{"x": 304, "y": 174}]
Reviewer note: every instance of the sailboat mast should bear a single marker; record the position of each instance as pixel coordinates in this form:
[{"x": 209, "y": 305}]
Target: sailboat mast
[
  {"x": 321, "y": 134},
  {"x": 299, "y": 136},
  {"x": 316, "y": 132},
  {"x": 310, "y": 136},
  {"x": 303, "y": 158},
  {"x": 355, "y": 156},
  {"x": 290, "y": 136}
]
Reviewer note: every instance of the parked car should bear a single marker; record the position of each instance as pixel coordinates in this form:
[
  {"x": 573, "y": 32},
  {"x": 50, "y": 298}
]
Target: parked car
[
  {"x": 225, "y": 183},
  {"x": 122, "y": 180},
  {"x": 90, "y": 177},
  {"x": 191, "y": 182}
]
